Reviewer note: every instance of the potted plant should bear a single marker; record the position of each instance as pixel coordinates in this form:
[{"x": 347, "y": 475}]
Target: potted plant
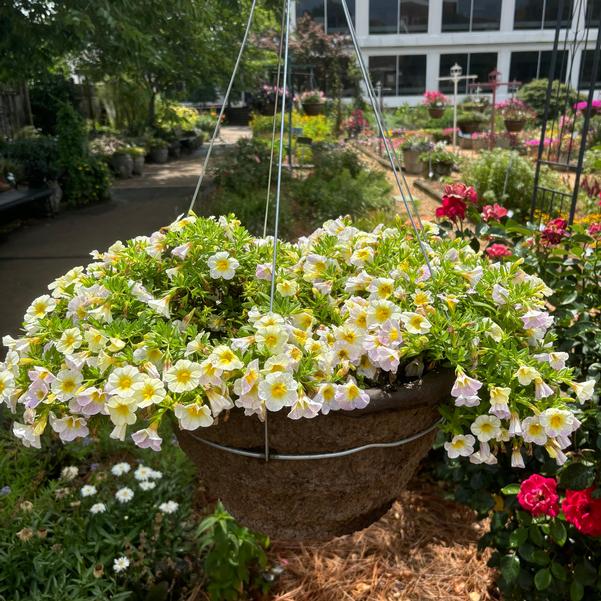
[
  {"x": 177, "y": 327},
  {"x": 438, "y": 162},
  {"x": 137, "y": 153},
  {"x": 265, "y": 100},
  {"x": 470, "y": 122},
  {"x": 122, "y": 163},
  {"x": 515, "y": 114},
  {"x": 158, "y": 150},
  {"x": 480, "y": 141},
  {"x": 412, "y": 148},
  {"x": 313, "y": 102},
  {"x": 436, "y": 102},
  {"x": 237, "y": 114}
]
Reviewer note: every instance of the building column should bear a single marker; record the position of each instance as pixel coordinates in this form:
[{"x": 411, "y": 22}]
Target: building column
[
  {"x": 434, "y": 17},
  {"x": 432, "y": 69},
  {"x": 507, "y": 13},
  {"x": 361, "y": 18}
]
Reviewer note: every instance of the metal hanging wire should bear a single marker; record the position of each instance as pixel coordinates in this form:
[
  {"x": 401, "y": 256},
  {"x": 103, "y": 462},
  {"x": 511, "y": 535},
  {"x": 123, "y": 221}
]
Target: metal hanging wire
[{"x": 225, "y": 102}]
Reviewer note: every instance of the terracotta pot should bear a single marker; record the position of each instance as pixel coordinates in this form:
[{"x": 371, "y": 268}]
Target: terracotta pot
[
  {"x": 312, "y": 109},
  {"x": 237, "y": 115},
  {"x": 139, "y": 165},
  {"x": 514, "y": 125},
  {"x": 436, "y": 112},
  {"x": 318, "y": 499},
  {"x": 159, "y": 155},
  {"x": 411, "y": 162},
  {"x": 122, "y": 164}
]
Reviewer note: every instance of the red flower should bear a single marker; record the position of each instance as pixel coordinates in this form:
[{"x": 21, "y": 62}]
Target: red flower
[
  {"x": 452, "y": 207},
  {"x": 494, "y": 212},
  {"x": 594, "y": 229},
  {"x": 460, "y": 191},
  {"x": 496, "y": 251},
  {"x": 583, "y": 511},
  {"x": 538, "y": 495},
  {"x": 554, "y": 231}
]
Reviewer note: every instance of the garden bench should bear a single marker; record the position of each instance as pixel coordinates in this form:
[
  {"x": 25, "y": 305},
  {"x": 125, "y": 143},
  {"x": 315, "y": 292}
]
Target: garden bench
[{"x": 15, "y": 198}]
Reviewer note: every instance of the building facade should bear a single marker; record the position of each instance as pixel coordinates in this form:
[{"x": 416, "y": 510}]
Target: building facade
[{"x": 409, "y": 44}]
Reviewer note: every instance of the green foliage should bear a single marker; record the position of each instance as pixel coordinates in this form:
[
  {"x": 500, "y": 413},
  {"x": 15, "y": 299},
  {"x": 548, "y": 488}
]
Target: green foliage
[
  {"x": 234, "y": 557},
  {"x": 506, "y": 177},
  {"x": 176, "y": 117},
  {"x": 319, "y": 128},
  {"x": 37, "y": 155},
  {"x": 534, "y": 95},
  {"x": 408, "y": 116}
]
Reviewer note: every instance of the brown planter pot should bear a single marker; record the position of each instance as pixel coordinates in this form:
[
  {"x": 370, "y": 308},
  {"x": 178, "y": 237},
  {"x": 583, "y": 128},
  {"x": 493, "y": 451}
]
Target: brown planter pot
[
  {"x": 312, "y": 109},
  {"x": 514, "y": 126},
  {"x": 268, "y": 109},
  {"x": 436, "y": 113},
  {"x": 411, "y": 162},
  {"x": 470, "y": 127},
  {"x": 237, "y": 115},
  {"x": 318, "y": 499}
]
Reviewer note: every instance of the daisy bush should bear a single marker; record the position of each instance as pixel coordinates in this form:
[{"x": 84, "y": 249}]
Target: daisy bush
[{"x": 179, "y": 324}]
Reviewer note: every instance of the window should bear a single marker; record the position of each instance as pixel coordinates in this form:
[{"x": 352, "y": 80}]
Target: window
[
  {"x": 586, "y": 70},
  {"x": 593, "y": 13},
  {"x": 327, "y": 11},
  {"x": 539, "y": 14},
  {"x": 526, "y": 66},
  {"x": 471, "y": 15},
  {"x": 398, "y": 16},
  {"x": 477, "y": 63},
  {"x": 399, "y": 75}
]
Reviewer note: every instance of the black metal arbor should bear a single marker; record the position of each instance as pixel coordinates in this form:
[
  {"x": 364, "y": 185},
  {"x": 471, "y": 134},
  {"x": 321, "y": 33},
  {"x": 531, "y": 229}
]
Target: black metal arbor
[{"x": 570, "y": 141}]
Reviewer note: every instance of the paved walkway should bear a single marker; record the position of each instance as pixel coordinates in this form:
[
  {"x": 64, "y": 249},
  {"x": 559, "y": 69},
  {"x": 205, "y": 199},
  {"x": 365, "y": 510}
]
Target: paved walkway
[{"x": 32, "y": 256}]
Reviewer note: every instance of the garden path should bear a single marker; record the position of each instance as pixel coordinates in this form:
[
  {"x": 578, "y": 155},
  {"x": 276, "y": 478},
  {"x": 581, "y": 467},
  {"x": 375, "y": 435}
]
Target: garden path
[{"x": 43, "y": 249}]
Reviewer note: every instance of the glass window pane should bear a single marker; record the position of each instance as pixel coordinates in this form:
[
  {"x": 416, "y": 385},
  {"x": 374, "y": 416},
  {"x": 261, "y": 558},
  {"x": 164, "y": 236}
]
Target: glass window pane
[
  {"x": 413, "y": 17},
  {"x": 383, "y": 16},
  {"x": 524, "y": 66},
  {"x": 481, "y": 64},
  {"x": 313, "y": 8},
  {"x": 587, "y": 71},
  {"x": 486, "y": 15},
  {"x": 412, "y": 75},
  {"x": 456, "y": 15},
  {"x": 336, "y": 17},
  {"x": 446, "y": 62},
  {"x": 561, "y": 65},
  {"x": 383, "y": 69},
  {"x": 593, "y": 13},
  {"x": 528, "y": 14},
  {"x": 551, "y": 8}
]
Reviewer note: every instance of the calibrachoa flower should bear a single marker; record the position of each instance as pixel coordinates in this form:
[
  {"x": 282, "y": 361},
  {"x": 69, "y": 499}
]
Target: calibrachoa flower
[
  {"x": 583, "y": 511},
  {"x": 538, "y": 495},
  {"x": 180, "y": 324}
]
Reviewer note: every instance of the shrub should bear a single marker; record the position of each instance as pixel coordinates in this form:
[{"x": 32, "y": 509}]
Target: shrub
[
  {"x": 534, "y": 94},
  {"x": 87, "y": 180},
  {"x": 319, "y": 128},
  {"x": 507, "y": 177},
  {"x": 38, "y": 157},
  {"x": 176, "y": 118}
]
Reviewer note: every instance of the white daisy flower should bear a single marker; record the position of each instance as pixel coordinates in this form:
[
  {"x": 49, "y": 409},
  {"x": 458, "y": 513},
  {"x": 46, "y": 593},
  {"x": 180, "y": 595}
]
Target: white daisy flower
[
  {"x": 168, "y": 507},
  {"x": 88, "y": 490},
  {"x": 124, "y": 495},
  {"x": 147, "y": 485},
  {"x": 120, "y": 564},
  {"x": 69, "y": 473},
  {"x": 119, "y": 469},
  {"x": 98, "y": 508},
  {"x": 142, "y": 473}
]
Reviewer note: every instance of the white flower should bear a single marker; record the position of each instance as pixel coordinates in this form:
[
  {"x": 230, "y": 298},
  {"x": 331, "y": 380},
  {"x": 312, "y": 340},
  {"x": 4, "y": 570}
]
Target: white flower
[
  {"x": 221, "y": 265},
  {"x": 147, "y": 485},
  {"x": 380, "y": 311},
  {"x": 584, "y": 390},
  {"x": 7, "y": 384},
  {"x": 69, "y": 473},
  {"x": 272, "y": 339},
  {"x": 225, "y": 359},
  {"x": 149, "y": 391},
  {"x": 122, "y": 413},
  {"x": 40, "y": 307},
  {"x": 517, "y": 460},
  {"x": 361, "y": 256},
  {"x": 69, "y": 342},
  {"x": 98, "y": 508},
  {"x": 122, "y": 381},
  {"x": 156, "y": 475},
  {"x": 26, "y": 434},
  {"x": 142, "y": 473},
  {"x": 326, "y": 397},
  {"x": 278, "y": 389},
  {"x": 168, "y": 507},
  {"x": 533, "y": 431},
  {"x": 465, "y": 386},
  {"x": 499, "y": 399},
  {"x": 183, "y": 376},
  {"x": 119, "y": 469},
  {"x": 350, "y": 396},
  {"x": 381, "y": 288},
  {"x": 415, "y": 323},
  {"x": 191, "y": 417},
  {"x": 460, "y": 446},
  {"x": 525, "y": 374},
  {"x": 499, "y": 294},
  {"x": 88, "y": 490},
  {"x": 486, "y": 427},
  {"x": 287, "y": 288},
  {"x": 124, "y": 495},
  {"x": 69, "y": 427},
  {"x": 120, "y": 564},
  {"x": 66, "y": 384},
  {"x": 541, "y": 389},
  {"x": 557, "y": 422}
]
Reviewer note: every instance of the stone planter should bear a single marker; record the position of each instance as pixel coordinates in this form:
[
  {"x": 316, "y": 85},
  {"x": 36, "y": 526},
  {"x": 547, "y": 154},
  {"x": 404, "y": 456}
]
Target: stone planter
[
  {"x": 514, "y": 125},
  {"x": 441, "y": 170},
  {"x": 436, "y": 112},
  {"x": 174, "y": 149},
  {"x": 317, "y": 499},
  {"x": 411, "y": 162},
  {"x": 159, "y": 155},
  {"x": 237, "y": 115},
  {"x": 312, "y": 109},
  {"x": 122, "y": 164},
  {"x": 138, "y": 165}
]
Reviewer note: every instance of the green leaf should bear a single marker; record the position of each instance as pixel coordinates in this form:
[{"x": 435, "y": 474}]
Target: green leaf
[
  {"x": 511, "y": 489},
  {"x": 577, "y": 476},
  {"x": 576, "y": 591},
  {"x": 558, "y": 571},
  {"x": 542, "y": 579},
  {"x": 510, "y": 567},
  {"x": 518, "y": 537},
  {"x": 558, "y": 532},
  {"x": 536, "y": 536}
]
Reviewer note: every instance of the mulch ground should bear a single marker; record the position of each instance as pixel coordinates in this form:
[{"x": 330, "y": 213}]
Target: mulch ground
[{"x": 424, "y": 549}]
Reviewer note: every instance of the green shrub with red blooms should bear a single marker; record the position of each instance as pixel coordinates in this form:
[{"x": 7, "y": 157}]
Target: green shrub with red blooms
[{"x": 546, "y": 531}]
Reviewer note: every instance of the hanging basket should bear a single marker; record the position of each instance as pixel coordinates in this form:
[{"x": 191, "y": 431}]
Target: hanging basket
[
  {"x": 515, "y": 125},
  {"x": 318, "y": 499},
  {"x": 312, "y": 109},
  {"x": 436, "y": 112}
]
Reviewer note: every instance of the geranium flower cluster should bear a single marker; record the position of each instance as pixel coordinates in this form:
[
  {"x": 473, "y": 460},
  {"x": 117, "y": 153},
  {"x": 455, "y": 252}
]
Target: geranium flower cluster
[
  {"x": 538, "y": 495},
  {"x": 455, "y": 201},
  {"x": 179, "y": 324},
  {"x": 435, "y": 99}
]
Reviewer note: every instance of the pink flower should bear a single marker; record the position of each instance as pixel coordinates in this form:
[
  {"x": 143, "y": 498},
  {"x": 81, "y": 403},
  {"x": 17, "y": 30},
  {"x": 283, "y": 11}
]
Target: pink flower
[
  {"x": 538, "y": 495},
  {"x": 498, "y": 251},
  {"x": 493, "y": 212},
  {"x": 436, "y": 99},
  {"x": 583, "y": 511},
  {"x": 147, "y": 438},
  {"x": 452, "y": 207},
  {"x": 554, "y": 231},
  {"x": 461, "y": 191},
  {"x": 594, "y": 229}
]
